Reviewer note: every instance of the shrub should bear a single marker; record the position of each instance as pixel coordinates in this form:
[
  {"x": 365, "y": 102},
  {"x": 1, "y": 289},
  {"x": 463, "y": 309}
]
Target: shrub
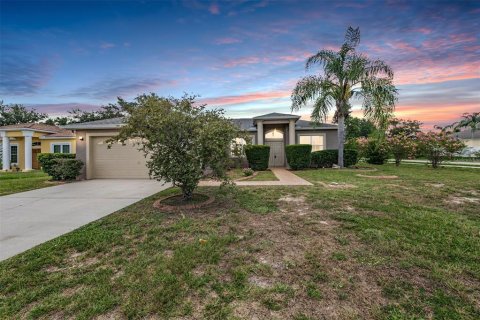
[
  {"x": 298, "y": 155},
  {"x": 66, "y": 169},
  {"x": 257, "y": 156},
  {"x": 247, "y": 172},
  {"x": 47, "y": 160},
  {"x": 401, "y": 146},
  {"x": 327, "y": 158},
  {"x": 436, "y": 147},
  {"x": 375, "y": 151}
]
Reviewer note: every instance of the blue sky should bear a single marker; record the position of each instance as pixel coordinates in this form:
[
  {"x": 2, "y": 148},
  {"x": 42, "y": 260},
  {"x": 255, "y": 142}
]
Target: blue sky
[{"x": 243, "y": 56}]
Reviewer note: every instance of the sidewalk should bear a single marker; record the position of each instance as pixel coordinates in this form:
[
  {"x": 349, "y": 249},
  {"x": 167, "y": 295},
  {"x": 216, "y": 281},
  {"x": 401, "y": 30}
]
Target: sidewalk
[
  {"x": 285, "y": 178},
  {"x": 454, "y": 164}
]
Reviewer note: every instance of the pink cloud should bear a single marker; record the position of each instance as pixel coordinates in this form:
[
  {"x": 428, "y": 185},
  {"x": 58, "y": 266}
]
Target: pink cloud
[
  {"x": 227, "y": 40},
  {"x": 244, "y": 61},
  {"x": 428, "y": 72},
  {"x": 403, "y": 46},
  {"x": 214, "y": 9},
  {"x": 247, "y": 97}
]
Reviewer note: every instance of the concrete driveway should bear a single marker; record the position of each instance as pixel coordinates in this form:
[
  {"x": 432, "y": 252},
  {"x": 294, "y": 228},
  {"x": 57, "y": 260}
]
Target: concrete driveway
[{"x": 33, "y": 217}]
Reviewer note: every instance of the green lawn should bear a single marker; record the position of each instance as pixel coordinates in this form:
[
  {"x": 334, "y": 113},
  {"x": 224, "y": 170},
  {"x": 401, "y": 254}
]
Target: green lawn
[
  {"x": 13, "y": 182},
  {"x": 349, "y": 247}
]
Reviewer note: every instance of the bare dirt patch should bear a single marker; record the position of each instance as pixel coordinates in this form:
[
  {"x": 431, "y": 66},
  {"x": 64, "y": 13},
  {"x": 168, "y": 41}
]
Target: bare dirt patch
[
  {"x": 166, "y": 204},
  {"x": 294, "y": 204},
  {"x": 336, "y": 185},
  {"x": 435, "y": 185},
  {"x": 376, "y": 177},
  {"x": 462, "y": 200}
]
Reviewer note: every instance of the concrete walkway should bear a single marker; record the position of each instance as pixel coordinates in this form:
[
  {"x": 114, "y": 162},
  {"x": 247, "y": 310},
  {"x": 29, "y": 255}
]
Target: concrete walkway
[
  {"x": 33, "y": 217},
  {"x": 285, "y": 178}
]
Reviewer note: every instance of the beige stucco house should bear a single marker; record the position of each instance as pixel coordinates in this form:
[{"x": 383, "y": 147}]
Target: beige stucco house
[
  {"x": 21, "y": 143},
  {"x": 125, "y": 161}
]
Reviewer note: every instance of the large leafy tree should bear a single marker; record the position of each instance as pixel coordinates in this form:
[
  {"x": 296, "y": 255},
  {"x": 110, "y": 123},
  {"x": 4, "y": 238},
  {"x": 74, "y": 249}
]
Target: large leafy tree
[
  {"x": 358, "y": 127},
  {"x": 17, "y": 113},
  {"x": 180, "y": 139},
  {"x": 347, "y": 75}
]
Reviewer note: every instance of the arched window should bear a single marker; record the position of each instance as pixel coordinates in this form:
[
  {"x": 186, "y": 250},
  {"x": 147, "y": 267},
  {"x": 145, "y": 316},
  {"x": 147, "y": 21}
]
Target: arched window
[{"x": 274, "y": 134}]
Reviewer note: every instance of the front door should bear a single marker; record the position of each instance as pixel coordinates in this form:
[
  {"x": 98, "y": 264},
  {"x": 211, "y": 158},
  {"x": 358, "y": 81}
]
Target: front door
[
  {"x": 35, "y": 153},
  {"x": 277, "y": 155}
]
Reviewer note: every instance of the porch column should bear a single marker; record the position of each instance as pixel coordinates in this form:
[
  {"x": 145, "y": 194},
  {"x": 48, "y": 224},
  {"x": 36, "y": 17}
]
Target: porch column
[
  {"x": 260, "y": 131},
  {"x": 28, "y": 149},
  {"x": 291, "y": 132},
  {"x": 5, "y": 151}
]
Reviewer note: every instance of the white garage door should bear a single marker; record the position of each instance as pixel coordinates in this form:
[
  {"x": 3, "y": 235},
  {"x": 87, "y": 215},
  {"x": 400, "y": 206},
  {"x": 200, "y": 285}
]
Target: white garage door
[{"x": 118, "y": 162}]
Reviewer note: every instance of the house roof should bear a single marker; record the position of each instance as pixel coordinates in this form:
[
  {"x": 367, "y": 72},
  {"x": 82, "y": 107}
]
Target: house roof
[
  {"x": 52, "y": 131},
  {"x": 276, "y": 116},
  {"x": 247, "y": 124},
  {"x": 97, "y": 124},
  {"x": 310, "y": 125},
  {"x": 467, "y": 134}
]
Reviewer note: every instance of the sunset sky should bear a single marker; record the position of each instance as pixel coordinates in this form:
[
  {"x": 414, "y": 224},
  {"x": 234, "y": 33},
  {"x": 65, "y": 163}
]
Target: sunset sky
[{"x": 243, "y": 56}]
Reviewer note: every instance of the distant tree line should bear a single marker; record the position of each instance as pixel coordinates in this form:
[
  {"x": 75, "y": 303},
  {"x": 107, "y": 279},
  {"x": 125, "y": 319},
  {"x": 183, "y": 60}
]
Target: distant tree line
[{"x": 17, "y": 113}]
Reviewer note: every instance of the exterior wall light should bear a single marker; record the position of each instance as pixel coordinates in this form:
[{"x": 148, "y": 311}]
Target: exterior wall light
[{"x": 80, "y": 138}]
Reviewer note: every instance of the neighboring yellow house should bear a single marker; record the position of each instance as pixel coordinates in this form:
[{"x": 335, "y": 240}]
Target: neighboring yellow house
[{"x": 21, "y": 144}]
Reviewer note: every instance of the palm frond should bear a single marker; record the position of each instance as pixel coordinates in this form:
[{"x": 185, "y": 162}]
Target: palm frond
[
  {"x": 352, "y": 36},
  {"x": 322, "y": 57},
  {"x": 379, "y": 98},
  {"x": 309, "y": 88}
]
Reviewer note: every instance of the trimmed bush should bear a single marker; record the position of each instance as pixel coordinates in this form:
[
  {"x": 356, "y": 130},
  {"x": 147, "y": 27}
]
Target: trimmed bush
[
  {"x": 66, "y": 169},
  {"x": 376, "y": 152},
  {"x": 327, "y": 158},
  {"x": 298, "y": 155},
  {"x": 47, "y": 160},
  {"x": 257, "y": 156}
]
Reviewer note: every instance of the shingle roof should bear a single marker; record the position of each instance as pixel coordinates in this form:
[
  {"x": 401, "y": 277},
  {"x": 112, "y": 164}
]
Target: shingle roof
[
  {"x": 275, "y": 116},
  {"x": 32, "y": 126},
  {"x": 467, "y": 134},
  {"x": 247, "y": 124},
  {"x": 97, "y": 124},
  {"x": 310, "y": 125},
  {"x": 244, "y": 124}
]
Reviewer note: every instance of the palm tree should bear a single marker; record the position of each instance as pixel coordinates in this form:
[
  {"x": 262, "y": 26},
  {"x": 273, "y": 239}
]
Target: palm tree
[{"x": 347, "y": 75}]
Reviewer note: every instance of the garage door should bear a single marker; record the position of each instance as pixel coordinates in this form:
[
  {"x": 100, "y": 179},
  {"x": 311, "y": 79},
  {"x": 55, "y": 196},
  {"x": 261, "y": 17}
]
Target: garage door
[{"x": 118, "y": 162}]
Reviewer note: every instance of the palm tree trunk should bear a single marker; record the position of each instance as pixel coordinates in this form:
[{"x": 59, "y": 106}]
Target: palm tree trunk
[{"x": 341, "y": 139}]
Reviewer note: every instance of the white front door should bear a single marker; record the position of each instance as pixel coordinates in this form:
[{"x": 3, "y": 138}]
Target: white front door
[{"x": 277, "y": 154}]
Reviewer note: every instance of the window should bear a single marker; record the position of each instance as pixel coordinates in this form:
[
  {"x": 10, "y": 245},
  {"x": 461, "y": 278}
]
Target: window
[
  {"x": 274, "y": 134},
  {"x": 60, "y": 147},
  {"x": 317, "y": 141},
  {"x": 13, "y": 154}
]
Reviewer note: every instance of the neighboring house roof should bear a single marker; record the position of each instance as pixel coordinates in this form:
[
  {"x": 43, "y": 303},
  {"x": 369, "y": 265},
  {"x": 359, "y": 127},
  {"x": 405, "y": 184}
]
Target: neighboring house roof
[
  {"x": 276, "y": 116},
  {"x": 247, "y": 124},
  {"x": 52, "y": 131},
  {"x": 467, "y": 134}
]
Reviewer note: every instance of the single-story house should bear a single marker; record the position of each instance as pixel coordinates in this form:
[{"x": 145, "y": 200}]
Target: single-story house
[
  {"x": 125, "y": 161},
  {"x": 471, "y": 139},
  {"x": 21, "y": 143}
]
